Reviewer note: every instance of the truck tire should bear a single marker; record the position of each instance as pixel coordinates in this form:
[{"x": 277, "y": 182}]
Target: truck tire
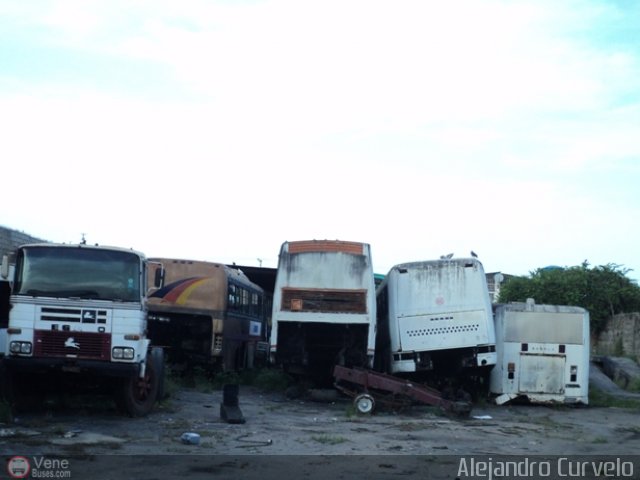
[
  {"x": 157, "y": 358},
  {"x": 7, "y": 387},
  {"x": 20, "y": 394},
  {"x": 136, "y": 396}
]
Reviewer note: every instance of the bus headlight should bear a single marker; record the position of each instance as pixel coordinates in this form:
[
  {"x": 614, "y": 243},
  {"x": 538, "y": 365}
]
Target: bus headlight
[
  {"x": 20, "y": 347},
  {"x": 122, "y": 353}
]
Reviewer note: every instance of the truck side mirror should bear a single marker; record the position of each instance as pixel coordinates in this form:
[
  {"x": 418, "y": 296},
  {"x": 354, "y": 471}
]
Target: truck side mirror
[
  {"x": 158, "y": 279},
  {"x": 4, "y": 270}
]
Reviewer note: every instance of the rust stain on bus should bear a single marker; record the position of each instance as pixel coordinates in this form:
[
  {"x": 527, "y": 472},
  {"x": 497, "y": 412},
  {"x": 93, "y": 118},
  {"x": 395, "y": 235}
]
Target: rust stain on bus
[{"x": 305, "y": 246}]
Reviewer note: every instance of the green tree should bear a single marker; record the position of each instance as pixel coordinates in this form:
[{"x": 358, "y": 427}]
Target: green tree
[{"x": 604, "y": 290}]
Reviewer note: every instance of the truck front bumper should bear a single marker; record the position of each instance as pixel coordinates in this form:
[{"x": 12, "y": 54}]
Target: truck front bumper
[{"x": 44, "y": 365}]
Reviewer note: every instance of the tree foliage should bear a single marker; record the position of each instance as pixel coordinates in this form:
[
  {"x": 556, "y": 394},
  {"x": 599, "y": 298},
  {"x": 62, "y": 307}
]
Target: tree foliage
[{"x": 604, "y": 290}]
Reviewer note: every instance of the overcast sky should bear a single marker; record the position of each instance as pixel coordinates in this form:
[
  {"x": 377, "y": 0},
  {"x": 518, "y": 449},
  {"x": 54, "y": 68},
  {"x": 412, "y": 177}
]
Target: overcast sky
[{"x": 216, "y": 130}]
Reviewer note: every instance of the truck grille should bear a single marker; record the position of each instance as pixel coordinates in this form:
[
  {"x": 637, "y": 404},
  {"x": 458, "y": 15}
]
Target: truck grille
[
  {"x": 68, "y": 344},
  {"x": 77, "y": 315}
]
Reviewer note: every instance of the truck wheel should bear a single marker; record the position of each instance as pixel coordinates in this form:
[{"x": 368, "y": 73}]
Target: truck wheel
[
  {"x": 157, "y": 358},
  {"x": 364, "y": 403},
  {"x": 136, "y": 396},
  {"x": 19, "y": 395},
  {"x": 7, "y": 387}
]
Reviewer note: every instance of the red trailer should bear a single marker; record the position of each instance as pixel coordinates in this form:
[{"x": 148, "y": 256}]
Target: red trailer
[{"x": 368, "y": 387}]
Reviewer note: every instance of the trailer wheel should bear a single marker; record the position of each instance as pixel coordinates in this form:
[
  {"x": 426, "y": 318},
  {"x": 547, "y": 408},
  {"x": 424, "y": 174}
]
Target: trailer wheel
[
  {"x": 136, "y": 396},
  {"x": 364, "y": 403}
]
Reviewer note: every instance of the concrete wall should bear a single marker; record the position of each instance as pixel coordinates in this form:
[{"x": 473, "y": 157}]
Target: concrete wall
[{"x": 621, "y": 337}]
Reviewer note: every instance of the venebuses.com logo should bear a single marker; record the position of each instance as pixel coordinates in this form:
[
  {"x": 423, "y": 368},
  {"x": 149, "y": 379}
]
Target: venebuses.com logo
[
  {"x": 18, "y": 467},
  {"x": 38, "y": 467}
]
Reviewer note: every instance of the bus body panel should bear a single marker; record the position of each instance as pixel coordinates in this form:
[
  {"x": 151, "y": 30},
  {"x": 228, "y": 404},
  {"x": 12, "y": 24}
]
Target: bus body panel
[
  {"x": 543, "y": 353},
  {"x": 435, "y": 309},
  {"x": 324, "y": 305},
  {"x": 207, "y": 313}
]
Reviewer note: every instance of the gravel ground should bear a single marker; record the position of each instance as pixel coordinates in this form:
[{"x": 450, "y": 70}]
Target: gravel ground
[{"x": 280, "y": 433}]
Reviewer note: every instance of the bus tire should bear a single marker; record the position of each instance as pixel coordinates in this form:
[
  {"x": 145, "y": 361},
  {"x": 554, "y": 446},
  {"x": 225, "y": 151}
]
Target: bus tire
[{"x": 136, "y": 396}]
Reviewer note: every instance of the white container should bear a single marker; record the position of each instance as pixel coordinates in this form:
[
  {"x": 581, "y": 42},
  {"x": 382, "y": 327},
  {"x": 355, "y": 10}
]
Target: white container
[{"x": 190, "y": 438}]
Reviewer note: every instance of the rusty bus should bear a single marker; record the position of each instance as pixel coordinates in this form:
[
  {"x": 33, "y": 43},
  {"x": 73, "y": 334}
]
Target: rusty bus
[
  {"x": 323, "y": 307},
  {"x": 208, "y": 314}
]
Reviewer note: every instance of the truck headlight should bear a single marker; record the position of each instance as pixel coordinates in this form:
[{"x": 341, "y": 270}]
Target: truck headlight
[
  {"x": 122, "y": 353},
  {"x": 20, "y": 347}
]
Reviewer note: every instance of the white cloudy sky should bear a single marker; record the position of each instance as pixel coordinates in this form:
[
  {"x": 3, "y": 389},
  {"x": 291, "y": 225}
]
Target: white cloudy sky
[{"x": 216, "y": 130}]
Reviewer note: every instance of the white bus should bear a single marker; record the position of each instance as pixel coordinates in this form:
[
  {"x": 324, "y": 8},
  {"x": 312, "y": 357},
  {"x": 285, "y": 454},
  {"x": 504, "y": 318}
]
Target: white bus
[
  {"x": 543, "y": 353},
  {"x": 435, "y": 318},
  {"x": 324, "y": 308}
]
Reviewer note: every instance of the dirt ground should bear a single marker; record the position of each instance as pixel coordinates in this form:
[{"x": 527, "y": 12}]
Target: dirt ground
[{"x": 275, "y": 425}]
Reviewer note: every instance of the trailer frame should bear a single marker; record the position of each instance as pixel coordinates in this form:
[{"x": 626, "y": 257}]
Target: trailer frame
[{"x": 367, "y": 387}]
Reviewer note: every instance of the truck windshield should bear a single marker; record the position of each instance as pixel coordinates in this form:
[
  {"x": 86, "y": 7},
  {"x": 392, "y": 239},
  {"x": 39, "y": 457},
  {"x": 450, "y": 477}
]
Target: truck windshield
[{"x": 90, "y": 273}]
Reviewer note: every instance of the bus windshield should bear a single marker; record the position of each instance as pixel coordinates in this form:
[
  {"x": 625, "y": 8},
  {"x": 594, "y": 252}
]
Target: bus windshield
[{"x": 89, "y": 273}]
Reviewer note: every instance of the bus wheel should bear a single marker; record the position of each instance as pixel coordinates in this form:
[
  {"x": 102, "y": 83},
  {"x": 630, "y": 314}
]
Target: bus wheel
[
  {"x": 364, "y": 403},
  {"x": 136, "y": 396}
]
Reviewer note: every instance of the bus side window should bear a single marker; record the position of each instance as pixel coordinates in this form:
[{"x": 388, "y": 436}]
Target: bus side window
[
  {"x": 232, "y": 296},
  {"x": 255, "y": 304}
]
